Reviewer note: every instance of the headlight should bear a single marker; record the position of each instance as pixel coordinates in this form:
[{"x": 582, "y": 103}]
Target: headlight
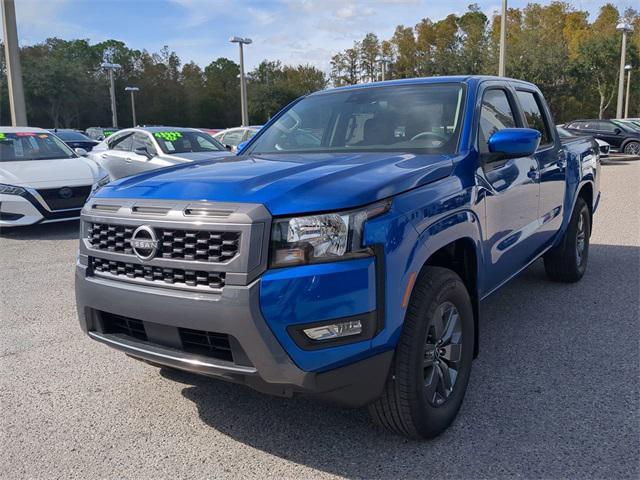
[
  {"x": 323, "y": 237},
  {"x": 11, "y": 189}
]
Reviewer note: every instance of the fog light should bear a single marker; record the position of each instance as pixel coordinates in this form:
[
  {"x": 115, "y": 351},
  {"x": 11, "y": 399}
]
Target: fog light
[{"x": 335, "y": 330}]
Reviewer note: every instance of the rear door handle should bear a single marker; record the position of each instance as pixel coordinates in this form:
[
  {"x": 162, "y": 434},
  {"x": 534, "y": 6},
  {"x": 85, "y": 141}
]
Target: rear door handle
[{"x": 128, "y": 159}]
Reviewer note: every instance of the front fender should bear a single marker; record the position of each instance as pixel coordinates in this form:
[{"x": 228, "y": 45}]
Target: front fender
[{"x": 405, "y": 259}]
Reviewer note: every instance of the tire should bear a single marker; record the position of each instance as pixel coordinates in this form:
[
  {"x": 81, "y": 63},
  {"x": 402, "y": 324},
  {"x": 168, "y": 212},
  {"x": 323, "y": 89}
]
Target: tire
[
  {"x": 632, "y": 148},
  {"x": 415, "y": 401},
  {"x": 567, "y": 261}
]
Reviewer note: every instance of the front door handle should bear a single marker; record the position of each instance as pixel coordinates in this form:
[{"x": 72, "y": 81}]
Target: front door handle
[{"x": 562, "y": 162}]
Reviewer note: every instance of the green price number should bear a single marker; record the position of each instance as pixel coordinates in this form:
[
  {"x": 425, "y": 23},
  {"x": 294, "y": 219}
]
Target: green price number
[{"x": 168, "y": 136}]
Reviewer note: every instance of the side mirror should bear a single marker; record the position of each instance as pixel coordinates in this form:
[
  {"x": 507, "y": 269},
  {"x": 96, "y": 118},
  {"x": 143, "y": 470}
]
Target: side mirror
[
  {"x": 241, "y": 146},
  {"x": 514, "y": 142},
  {"x": 617, "y": 131},
  {"x": 142, "y": 151},
  {"x": 81, "y": 151},
  {"x": 228, "y": 147}
]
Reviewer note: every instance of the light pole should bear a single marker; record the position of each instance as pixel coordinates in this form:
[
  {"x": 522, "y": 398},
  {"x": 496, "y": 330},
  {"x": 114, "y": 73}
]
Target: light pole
[
  {"x": 625, "y": 28},
  {"x": 243, "y": 81},
  {"x": 626, "y": 102},
  {"x": 14, "y": 72},
  {"x": 111, "y": 67},
  {"x": 503, "y": 39},
  {"x": 133, "y": 90}
]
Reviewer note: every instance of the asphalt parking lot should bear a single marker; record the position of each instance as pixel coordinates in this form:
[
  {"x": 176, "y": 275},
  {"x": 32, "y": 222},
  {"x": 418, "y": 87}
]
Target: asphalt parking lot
[{"x": 554, "y": 394}]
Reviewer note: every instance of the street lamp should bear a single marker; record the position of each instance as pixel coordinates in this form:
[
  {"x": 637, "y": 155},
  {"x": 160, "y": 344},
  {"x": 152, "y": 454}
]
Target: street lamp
[
  {"x": 626, "y": 102},
  {"x": 243, "y": 81},
  {"x": 625, "y": 28},
  {"x": 111, "y": 67},
  {"x": 133, "y": 90},
  {"x": 14, "y": 72},
  {"x": 503, "y": 39}
]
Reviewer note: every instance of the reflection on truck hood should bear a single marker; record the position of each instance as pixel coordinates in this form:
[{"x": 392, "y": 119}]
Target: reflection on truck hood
[
  {"x": 288, "y": 183},
  {"x": 193, "y": 156}
]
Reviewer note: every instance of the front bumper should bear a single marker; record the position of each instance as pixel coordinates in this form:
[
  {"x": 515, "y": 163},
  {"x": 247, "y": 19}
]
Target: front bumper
[
  {"x": 30, "y": 208},
  {"x": 259, "y": 359}
]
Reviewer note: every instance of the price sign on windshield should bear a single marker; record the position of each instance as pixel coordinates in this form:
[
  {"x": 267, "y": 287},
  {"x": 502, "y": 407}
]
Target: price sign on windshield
[{"x": 168, "y": 136}]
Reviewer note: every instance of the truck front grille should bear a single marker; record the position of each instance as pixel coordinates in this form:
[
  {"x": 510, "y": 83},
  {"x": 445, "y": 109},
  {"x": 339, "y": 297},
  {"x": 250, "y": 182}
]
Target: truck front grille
[
  {"x": 210, "y": 344},
  {"x": 191, "y": 245},
  {"x": 158, "y": 275}
]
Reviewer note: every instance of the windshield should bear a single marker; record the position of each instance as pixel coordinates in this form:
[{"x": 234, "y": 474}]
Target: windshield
[
  {"x": 171, "y": 142},
  {"x": 72, "y": 136},
  {"x": 20, "y": 146},
  {"x": 627, "y": 124},
  {"x": 400, "y": 118}
]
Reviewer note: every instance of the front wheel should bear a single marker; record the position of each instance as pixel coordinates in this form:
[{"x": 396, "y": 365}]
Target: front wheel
[
  {"x": 433, "y": 358},
  {"x": 567, "y": 261}
]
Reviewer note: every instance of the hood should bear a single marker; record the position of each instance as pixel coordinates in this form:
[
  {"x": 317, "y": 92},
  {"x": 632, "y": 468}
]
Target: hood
[
  {"x": 288, "y": 183},
  {"x": 193, "y": 156},
  {"x": 50, "y": 173}
]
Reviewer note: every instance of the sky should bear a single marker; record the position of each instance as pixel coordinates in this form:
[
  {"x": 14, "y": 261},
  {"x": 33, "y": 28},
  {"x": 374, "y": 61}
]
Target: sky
[{"x": 292, "y": 31}]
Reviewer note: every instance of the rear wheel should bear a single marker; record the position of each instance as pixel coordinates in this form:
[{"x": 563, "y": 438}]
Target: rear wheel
[
  {"x": 632, "y": 148},
  {"x": 567, "y": 262},
  {"x": 433, "y": 358}
]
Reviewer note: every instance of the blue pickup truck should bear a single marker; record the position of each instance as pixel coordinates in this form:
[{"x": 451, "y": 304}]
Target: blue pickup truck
[{"x": 345, "y": 252}]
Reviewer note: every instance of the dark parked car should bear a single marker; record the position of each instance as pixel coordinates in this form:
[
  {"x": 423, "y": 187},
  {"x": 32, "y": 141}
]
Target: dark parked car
[
  {"x": 75, "y": 139},
  {"x": 621, "y": 136}
]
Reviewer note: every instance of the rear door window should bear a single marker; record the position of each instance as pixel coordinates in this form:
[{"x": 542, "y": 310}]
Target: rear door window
[
  {"x": 535, "y": 116},
  {"x": 121, "y": 143}
]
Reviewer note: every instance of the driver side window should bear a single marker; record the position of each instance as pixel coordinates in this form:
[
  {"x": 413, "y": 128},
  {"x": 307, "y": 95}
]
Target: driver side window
[{"x": 496, "y": 114}]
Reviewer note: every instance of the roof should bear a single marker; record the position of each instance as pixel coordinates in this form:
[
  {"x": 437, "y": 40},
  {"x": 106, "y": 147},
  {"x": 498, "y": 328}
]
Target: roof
[
  {"x": 23, "y": 129},
  {"x": 162, "y": 128},
  {"x": 423, "y": 80}
]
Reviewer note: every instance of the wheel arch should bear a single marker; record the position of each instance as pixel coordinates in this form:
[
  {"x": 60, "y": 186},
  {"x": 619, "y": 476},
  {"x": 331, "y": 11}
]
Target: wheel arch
[
  {"x": 627, "y": 142},
  {"x": 453, "y": 242},
  {"x": 461, "y": 256}
]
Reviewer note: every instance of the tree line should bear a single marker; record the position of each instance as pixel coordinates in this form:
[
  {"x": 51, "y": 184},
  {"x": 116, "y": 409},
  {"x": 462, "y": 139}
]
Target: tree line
[
  {"x": 66, "y": 87},
  {"x": 575, "y": 62}
]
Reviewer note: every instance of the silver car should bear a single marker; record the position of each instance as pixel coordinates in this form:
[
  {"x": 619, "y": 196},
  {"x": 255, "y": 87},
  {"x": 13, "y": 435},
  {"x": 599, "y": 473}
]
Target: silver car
[
  {"x": 232, "y": 137},
  {"x": 136, "y": 150}
]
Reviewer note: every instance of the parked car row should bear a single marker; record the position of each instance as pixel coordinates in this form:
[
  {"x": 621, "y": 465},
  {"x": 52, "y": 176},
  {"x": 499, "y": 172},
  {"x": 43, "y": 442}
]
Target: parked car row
[
  {"x": 622, "y": 135},
  {"x": 56, "y": 181}
]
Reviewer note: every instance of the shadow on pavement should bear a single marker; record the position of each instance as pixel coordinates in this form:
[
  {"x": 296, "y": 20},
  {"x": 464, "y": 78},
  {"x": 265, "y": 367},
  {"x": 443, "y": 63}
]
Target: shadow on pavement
[
  {"x": 45, "y": 231},
  {"x": 544, "y": 400}
]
